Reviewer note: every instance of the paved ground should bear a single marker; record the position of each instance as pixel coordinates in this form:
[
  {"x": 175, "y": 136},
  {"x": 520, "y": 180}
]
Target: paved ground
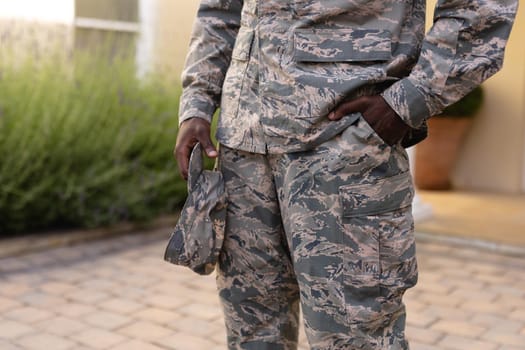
[
  {"x": 119, "y": 294},
  {"x": 493, "y": 217}
]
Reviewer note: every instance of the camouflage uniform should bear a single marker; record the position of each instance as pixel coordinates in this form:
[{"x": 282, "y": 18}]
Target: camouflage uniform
[{"x": 319, "y": 210}]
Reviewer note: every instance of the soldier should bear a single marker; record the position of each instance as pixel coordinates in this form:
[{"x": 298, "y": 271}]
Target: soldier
[{"x": 318, "y": 100}]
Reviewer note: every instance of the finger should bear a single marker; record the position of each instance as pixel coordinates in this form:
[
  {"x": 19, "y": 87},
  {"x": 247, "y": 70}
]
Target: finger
[
  {"x": 182, "y": 153},
  {"x": 183, "y": 163},
  {"x": 345, "y": 108}
]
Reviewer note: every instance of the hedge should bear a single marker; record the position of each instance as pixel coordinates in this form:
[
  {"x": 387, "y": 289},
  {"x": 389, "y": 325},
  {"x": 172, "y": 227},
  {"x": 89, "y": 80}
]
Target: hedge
[{"x": 84, "y": 143}]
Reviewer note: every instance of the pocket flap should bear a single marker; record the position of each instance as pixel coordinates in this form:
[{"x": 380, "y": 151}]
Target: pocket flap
[
  {"x": 243, "y": 44},
  {"x": 378, "y": 197},
  {"x": 342, "y": 45}
]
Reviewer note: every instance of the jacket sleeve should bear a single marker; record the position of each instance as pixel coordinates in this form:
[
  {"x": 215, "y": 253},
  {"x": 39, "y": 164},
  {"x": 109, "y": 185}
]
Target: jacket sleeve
[
  {"x": 209, "y": 55},
  {"x": 464, "y": 47}
]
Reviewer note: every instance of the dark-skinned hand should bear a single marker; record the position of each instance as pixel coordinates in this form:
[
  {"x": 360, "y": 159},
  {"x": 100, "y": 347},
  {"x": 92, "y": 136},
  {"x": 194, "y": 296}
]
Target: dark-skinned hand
[
  {"x": 379, "y": 115},
  {"x": 191, "y": 132}
]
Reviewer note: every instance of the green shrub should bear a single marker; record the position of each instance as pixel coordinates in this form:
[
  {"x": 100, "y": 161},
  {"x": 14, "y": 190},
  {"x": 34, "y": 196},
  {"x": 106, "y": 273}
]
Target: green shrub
[{"x": 84, "y": 143}]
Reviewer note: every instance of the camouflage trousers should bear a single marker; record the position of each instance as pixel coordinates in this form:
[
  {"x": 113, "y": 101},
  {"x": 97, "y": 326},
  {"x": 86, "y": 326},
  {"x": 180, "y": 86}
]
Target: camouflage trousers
[{"x": 331, "y": 229}]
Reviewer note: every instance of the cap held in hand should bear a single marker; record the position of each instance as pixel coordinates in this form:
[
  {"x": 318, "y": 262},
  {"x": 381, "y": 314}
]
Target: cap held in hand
[{"x": 198, "y": 236}]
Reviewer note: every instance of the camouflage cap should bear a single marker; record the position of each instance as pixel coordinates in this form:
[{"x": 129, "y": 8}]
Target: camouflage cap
[{"x": 199, "y": 233}]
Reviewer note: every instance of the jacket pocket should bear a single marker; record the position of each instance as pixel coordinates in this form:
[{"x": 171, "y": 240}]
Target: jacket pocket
[
  {"x": 381, "y": 196},
  {"x": 329, "y": 65},
  {"x": 342, "y": 45}
]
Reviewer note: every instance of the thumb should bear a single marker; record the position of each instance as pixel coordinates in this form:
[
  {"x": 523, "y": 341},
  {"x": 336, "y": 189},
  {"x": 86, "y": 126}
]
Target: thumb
[{"x": 208, "y": 146}]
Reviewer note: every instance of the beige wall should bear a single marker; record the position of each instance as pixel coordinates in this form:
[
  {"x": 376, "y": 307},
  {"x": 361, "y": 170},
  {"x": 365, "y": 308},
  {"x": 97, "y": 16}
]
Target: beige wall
[
  {"x": 174, "y": 21},
  {"x": 493, "y": 157}
]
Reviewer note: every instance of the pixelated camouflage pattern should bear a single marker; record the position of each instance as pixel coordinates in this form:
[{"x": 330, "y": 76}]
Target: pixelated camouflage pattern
[
  {"x": 330, "y": 227},
  {"x": 276, "y": 68},
  {"x": 199, "y": 233}
]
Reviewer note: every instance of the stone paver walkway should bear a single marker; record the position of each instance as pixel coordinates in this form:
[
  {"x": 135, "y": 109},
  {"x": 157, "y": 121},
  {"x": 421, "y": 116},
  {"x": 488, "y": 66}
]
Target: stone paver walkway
[{"x": 119, "y": 294}]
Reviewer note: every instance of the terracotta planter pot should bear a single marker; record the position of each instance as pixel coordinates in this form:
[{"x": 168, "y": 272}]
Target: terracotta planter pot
[{"x": 437, "y": 154}]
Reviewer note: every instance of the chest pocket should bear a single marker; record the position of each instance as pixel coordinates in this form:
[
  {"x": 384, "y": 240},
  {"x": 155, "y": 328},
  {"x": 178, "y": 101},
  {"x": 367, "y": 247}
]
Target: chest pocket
[{"x": 328, "y": 65}]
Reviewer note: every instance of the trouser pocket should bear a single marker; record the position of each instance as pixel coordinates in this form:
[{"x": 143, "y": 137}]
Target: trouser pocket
[{"x": 379, "y": 259}]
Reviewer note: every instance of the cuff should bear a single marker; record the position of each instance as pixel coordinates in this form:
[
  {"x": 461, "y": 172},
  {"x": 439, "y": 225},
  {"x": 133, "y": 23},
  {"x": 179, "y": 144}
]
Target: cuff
[
  {"x": 408, "y": 102},
  {"x": 196, "y": 107}
]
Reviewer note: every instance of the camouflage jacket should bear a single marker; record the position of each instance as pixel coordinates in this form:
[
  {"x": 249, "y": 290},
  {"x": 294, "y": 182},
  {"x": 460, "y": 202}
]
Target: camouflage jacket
[{"x": 276, "y": 68}]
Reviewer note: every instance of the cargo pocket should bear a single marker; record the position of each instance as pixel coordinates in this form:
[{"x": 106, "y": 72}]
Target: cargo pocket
[{"x": 379, "y": 261}]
